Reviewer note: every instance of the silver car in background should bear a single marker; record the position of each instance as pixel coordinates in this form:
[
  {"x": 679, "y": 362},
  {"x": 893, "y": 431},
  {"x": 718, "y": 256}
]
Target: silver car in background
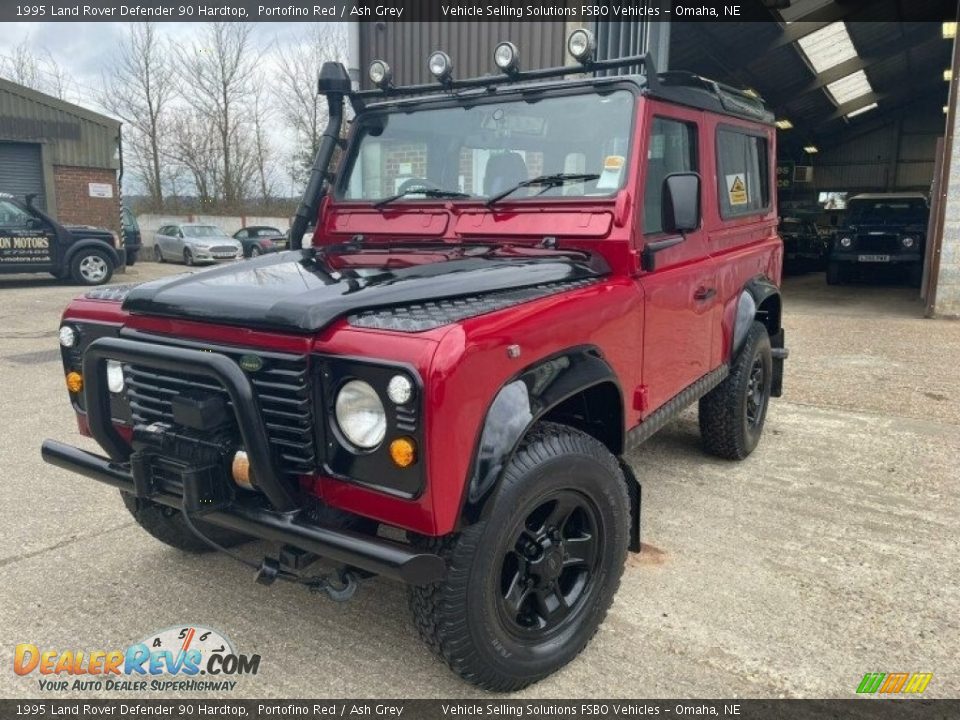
[{"x": 194, "y": 243}]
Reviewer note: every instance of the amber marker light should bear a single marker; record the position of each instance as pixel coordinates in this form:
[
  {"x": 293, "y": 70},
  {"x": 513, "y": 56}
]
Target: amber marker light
[
  {"x": 403, "y": 452},
  {"x": 74, "y": 382},
  {"x": 240, "y": 469}
]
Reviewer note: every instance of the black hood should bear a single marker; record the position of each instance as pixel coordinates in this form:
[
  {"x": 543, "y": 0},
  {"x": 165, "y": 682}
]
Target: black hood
[{"x": 289, "y": 291}]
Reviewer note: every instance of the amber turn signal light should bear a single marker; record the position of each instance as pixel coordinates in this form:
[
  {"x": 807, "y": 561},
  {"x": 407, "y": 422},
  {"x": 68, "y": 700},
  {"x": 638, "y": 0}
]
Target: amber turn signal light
[
  {"x": 403, "y": 452},
  {"x": 240, "y": 469},
  {"x": 74, "y": 382}
]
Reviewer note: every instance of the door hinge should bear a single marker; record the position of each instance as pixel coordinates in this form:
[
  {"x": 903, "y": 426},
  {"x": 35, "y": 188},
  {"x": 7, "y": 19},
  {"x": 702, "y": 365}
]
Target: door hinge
[{"x": 640, "y": 398}]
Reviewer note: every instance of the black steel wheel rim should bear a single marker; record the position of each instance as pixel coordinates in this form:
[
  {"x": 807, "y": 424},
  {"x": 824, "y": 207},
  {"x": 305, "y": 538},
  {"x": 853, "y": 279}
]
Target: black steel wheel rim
[
  {"x": 550, "y": 569},
  {"x": 756, "y": 394}
]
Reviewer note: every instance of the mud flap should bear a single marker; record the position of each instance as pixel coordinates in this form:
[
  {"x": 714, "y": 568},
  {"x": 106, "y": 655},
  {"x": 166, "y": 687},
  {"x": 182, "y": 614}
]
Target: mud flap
[
  {"x": 779, "y": 354},
  {"x": 634, "y": 493}
]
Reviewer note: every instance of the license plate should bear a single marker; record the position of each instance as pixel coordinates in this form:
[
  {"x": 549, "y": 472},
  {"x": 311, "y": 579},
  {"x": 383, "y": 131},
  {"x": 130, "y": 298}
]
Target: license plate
[
  {"x": 224, "y": 255},
  {"x": 873, "y": 258}
]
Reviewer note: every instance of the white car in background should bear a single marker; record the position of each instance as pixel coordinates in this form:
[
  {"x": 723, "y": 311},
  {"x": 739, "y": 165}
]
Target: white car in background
[{"x": 194, "y": 243}]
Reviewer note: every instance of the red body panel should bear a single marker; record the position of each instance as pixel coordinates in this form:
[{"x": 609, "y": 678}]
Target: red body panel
[{"x": 650, "y": 328}]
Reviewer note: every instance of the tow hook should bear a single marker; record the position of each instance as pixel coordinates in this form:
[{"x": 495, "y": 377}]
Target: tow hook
[{"x": 340, "y": 586}]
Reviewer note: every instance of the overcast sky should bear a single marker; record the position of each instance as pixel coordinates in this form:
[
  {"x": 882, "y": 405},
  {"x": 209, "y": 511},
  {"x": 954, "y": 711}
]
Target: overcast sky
[{"x": 85, "y": 51}]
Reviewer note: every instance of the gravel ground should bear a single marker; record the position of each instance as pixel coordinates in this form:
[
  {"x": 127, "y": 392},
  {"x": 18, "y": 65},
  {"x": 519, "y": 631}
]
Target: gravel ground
[{"x": 831, "y": 552}]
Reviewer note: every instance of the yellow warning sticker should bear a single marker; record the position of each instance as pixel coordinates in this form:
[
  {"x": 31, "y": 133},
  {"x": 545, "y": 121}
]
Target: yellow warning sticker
[{"x": 737, "y": 190}]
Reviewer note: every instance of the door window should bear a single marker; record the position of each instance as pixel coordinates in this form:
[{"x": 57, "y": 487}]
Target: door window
[
  {"x": 13, "y": 217},
  {"x": 743, "y": 176},
  {"x": 673, "y": 149}
]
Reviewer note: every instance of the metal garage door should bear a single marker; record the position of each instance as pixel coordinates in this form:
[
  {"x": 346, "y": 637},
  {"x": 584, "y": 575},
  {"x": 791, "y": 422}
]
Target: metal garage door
[{"x": 21, "y": 171}]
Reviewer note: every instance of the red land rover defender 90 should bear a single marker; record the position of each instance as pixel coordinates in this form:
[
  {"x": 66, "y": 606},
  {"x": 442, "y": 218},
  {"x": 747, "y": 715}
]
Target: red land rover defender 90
[{"x": 513, "y": 280}]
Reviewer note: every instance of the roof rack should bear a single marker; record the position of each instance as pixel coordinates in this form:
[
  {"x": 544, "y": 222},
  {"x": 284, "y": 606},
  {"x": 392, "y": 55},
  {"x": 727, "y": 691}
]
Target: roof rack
[{"x": 645, "y": 60}]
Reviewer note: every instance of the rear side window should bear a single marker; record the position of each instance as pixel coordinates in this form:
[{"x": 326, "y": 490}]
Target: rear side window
[
  {"x": 743, "y": 176},
  {"x": 673, "y": 149}
]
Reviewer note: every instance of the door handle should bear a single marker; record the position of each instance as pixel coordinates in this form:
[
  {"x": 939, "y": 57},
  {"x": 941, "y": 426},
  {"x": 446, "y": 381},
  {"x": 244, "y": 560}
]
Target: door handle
[{"x": 704, "y": 293}]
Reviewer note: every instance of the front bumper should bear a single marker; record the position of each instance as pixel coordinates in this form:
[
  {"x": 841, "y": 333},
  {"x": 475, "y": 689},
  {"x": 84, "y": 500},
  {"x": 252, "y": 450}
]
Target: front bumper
[{"x": 276, "y": 515}]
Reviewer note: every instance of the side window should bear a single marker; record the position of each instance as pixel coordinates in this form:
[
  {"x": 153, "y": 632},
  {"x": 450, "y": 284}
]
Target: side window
[
  {"x": 13, "y": 216},
  {"x": 673, "y": 149},
  {"x": 242, "y": 234},
  {"x": 743, "y": 176}
]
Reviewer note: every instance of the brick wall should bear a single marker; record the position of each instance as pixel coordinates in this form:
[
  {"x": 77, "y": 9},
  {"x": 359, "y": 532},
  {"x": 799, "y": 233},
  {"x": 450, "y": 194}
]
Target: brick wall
[{"x": 74, "y": 204}]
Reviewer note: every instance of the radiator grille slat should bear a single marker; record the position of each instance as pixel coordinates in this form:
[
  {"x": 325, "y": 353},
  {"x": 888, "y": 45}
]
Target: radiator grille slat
[{"x": 282, "y": 389}]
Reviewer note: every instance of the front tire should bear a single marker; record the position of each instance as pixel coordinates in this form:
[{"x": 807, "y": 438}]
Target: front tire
[
  {"x": 91, "y": 266},
  {"x": 527, "y": 588},
  {"x": 835, "y": 274},
  {"x": 255, "y": 252},
  {"x": 167, "y": 525},
  {"x": 188, "y": 257},
  {"x": 732, "y": 415}
]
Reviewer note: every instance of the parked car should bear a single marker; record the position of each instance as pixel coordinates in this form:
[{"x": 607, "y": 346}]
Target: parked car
[
  {"x": 880, "y": 231},
  {"x": 260, "y": 239},
  {"x": 31, "y": 241},
  {"x": 194, "y": 243},
  {"x": 130, "y": 230},
  {"x": 460, "y": 360},
  {"x": 804, "y": 248}
]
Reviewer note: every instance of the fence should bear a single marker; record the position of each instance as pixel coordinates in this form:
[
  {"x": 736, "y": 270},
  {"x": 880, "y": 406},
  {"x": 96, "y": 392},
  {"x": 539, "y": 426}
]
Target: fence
[{"x": 149, "y": 224}]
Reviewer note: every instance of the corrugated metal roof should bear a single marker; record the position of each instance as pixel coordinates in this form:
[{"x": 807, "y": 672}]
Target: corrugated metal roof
[{"x": 72, "y": 134}]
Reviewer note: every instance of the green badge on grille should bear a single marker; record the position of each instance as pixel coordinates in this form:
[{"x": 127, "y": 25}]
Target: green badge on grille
[{"x": 251, "y": 363}]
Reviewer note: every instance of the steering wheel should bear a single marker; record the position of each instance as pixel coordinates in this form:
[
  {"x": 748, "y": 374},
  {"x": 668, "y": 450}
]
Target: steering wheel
[{"x": 418, "y": 183}]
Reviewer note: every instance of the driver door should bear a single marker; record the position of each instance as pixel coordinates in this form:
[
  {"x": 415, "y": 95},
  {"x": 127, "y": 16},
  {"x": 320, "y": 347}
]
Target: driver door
[
  {"x": 680, "y": 292},
  {"x": 27, "y": 243}
]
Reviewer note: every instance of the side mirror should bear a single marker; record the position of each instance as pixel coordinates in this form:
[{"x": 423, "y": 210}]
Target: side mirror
[{"x": 680, "y": 208}]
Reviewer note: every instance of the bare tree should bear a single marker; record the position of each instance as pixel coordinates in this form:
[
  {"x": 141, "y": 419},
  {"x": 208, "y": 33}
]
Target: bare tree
[
  {"x": 262, "y": 149},
  {"x": 300, "y": 106},
  {"x": 217, "y": 76},
  {"x": 37, "y": 70},
  {"x": 139, "y": 89},
  {"x": 192, "y": 147}
]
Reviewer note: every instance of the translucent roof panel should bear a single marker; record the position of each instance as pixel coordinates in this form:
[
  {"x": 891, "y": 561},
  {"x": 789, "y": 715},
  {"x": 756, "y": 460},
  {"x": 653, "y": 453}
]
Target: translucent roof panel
[
  {"x": 850, "y": 88},
  {"x": 861, "y": 111},
  {"x": 828, "y": 47}
]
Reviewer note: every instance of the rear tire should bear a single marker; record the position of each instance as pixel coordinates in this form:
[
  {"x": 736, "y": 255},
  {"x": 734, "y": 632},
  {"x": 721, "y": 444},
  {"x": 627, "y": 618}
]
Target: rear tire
[
  {"x": 91, "y": 266},
  {"x": 167, "y": 525},
  {"x": 132, "y": 258},
  {"x": 732, "y": 415},
  {"x": 158, "y": 254},
  {"x": 255, "y": 252},
  {"x": 835, "y": 274},
  {"x": 527, "y": 587}
]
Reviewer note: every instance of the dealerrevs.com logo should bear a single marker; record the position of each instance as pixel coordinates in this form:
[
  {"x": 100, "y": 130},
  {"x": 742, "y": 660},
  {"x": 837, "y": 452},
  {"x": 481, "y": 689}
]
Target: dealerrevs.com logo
[{"x": 186, "y": 658}]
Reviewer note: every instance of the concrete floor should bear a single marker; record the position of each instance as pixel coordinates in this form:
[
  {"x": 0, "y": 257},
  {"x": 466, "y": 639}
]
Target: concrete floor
[{"x": 831, "y": 552}]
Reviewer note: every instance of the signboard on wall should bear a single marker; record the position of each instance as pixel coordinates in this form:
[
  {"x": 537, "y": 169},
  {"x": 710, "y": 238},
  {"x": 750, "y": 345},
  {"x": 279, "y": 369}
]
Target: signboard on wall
[
  {"x": 785, "y": 175},
  {"x": 101, "y": 190}
]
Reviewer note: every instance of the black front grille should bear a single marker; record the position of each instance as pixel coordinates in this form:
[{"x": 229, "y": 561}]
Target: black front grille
[
  {"x": 281, "y": 386},
  {"x": 884, "y": 244}
]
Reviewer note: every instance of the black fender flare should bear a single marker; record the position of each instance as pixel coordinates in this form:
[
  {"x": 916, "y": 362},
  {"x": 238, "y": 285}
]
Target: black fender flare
[
  {"x": 760, "y": 300},
  {"x": 758, "y": 292},
  {"x": 520, "y": 403},
  {"x": 78, "y": 245}
]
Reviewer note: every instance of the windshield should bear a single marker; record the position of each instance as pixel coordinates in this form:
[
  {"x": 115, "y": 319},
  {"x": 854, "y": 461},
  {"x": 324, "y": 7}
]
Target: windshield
[
  {"x": 203, "y": 231},
  {"x": 895, "y": 211},
  {"x": 488, "y": 148}
]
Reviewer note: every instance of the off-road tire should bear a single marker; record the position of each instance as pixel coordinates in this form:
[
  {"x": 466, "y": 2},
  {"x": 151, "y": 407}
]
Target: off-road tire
[
  {"x": 158, "y": 254},
  {"x": 460, "y": 617},
  {"x": 725, "y": 425},
  {"x": 836, "y": 274},
  {"x": 167, "y": 525},
  {"x": 91, "y": 255}
]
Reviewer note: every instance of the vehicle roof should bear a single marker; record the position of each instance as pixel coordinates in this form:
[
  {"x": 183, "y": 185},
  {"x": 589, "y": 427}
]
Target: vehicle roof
[
  {"x": 197, "y": 224},
  {"x": 681, "y": 88},
  {"x": 889, "y": 196},
  {"x": 259, "y": 227}
]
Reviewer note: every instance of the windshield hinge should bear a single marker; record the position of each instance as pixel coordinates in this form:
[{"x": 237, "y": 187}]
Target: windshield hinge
[{"x": 549, "y": 242}]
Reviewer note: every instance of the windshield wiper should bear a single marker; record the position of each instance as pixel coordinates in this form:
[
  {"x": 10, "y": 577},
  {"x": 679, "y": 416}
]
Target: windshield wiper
[
  {"x": 426, "y": 192},
  {"x": 546, "y": 182}
]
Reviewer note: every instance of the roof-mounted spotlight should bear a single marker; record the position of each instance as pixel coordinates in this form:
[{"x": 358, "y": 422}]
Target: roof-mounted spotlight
[
  {"x": 581, "y": 44},
  {"x": 440, "y": 66},
  {"x": 380, "y": 74},
  {"x": 507, "y": 58}
]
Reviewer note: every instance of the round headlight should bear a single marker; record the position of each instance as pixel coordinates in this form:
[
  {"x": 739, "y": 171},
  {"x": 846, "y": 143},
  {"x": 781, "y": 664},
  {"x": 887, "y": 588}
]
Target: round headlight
[
  {"x": 379, "y": 73},
  {"x": 400, "y": 389},
  {"x": 581, "y": 44},
  {"x": 360, "y": 414},
  {"x": 846, "y": 242},
  {"x": 908, "y": 242},
  {"x": 507, "y": 57},
  {"x": 440, "y": 65},
  {"x": 68, "y": 336},
  {"x": 114, "y": 377}
]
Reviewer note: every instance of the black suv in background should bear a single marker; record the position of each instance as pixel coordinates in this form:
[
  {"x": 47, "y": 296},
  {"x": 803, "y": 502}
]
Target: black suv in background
[
  {"x": 803, "y": 248},
  {"x": 32, "y": 242},
  {"x": 132, "y": 241},
  {"x": 883, "y": 230}
]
